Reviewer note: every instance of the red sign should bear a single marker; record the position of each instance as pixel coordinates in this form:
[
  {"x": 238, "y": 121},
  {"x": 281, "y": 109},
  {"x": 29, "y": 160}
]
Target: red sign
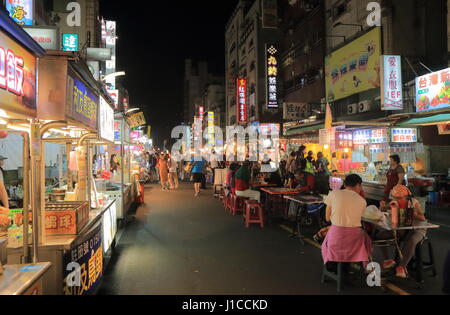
[
  {"x": 344, "y": 140},
  {"x": 242, "y": 100}
]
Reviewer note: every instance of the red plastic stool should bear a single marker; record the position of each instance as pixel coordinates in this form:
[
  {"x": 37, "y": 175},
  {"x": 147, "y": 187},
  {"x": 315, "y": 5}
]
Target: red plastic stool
[
  {"x": 237, "y": 204},
  {"x": 254, "y": 213}
]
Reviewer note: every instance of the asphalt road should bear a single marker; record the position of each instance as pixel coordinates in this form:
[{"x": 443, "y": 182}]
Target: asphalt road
[{"x": 181, "y": 245}]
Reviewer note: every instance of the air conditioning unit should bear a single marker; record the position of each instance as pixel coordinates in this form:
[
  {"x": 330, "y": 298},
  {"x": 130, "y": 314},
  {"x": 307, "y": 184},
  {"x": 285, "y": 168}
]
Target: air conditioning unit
[
  {"x": 352, "y": 109},
  {"x": 364, "y": 106}
]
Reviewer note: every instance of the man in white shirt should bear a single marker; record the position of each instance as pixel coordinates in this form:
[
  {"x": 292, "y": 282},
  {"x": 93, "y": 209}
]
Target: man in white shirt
[{"x": 345, "y": 208}]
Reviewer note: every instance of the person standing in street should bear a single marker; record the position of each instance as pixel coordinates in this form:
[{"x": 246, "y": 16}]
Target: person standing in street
[
  {"x": 164, "y": 171},
  {"x": 214, "y": 164},
  {"x": 291, "y": 167},
  {"x": 173, "y": 174},
  {"x": 322, "y": 165},
  {"x": 395, "y": 176},
  {"x": 198, "y": 173}
]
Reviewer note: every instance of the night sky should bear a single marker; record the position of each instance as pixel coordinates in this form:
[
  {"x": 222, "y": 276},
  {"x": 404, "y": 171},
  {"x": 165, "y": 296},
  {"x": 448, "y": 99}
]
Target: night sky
[{"x": 155, "y": 38}]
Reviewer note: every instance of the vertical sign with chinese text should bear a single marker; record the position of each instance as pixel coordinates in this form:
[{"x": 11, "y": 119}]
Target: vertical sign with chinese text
[
  {"x": 211, "y": 131},
  {"x": 242, "y": 100},
  {"x": 391, "y": 83},
  {"x": 272, "y": 76},
  {"x": 70, "y": 42}
]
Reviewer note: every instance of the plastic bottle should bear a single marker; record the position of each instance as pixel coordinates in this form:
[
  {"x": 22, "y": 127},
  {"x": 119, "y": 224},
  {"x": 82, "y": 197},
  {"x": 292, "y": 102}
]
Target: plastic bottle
[{"x": 394, "y": 214}]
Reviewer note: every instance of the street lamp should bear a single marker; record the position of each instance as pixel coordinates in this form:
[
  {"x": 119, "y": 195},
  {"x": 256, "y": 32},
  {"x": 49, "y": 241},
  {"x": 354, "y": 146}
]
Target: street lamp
[
  {"x": 113, "y": 75},
  {"x": 131, "y": 110},
  {"x": 346, "y": 24}
]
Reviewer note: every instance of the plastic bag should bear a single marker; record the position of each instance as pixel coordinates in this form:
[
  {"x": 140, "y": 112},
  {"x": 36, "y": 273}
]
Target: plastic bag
[{"x": 373, "y": 213}]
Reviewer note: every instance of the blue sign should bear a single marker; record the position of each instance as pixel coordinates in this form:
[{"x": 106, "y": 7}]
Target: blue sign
[
  {"x": 21, "y": 11},
  {"x": 88, "y": 254},
  {"x": 85, "y": 104},
  {"x": 70, "y": 42}
]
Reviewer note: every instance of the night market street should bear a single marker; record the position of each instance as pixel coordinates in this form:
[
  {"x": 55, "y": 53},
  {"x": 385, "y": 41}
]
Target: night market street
[{"x": 178, "y": 244}]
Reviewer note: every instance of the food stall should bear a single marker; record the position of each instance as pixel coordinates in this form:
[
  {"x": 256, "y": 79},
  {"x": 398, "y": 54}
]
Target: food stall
[
  {"x": 67, "y": 220},
  {"x": 19, "y": 58}
]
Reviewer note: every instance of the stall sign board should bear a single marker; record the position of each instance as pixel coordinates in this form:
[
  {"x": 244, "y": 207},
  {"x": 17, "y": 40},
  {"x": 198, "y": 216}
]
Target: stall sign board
[
  {"x": 84, "y": 102},
  {"x": 106, "y": 121},
  {"x": 444, "y": 129},
  {"x": 370, "y": 136},
  {"x": 344, "y": 140},
  {"x": 21, "y": 11},
  {"x": 87, "y": 252},
  {"x": 242, "y": 100},
  {"x": 117, "y": 130},
  {"x": 115, "y": 96},
  {"x": 211, "y": 131},
  {"x": 433, "y": 91},
  {"x": 17, "y": 78},
  {"x": 391, "y": 83},
  {"x": 403, "y": 135}
]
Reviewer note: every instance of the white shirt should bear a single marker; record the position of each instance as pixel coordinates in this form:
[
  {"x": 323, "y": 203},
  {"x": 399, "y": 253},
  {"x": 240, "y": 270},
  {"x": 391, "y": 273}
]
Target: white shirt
[
  {"x": 347, "y": 208},
  {"x": 214, "y": 162}
]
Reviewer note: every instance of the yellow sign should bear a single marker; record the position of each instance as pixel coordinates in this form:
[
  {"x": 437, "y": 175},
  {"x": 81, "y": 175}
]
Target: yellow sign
[
  {"x": 354, "y": 68},
  {"x": 136, "y": 120}
]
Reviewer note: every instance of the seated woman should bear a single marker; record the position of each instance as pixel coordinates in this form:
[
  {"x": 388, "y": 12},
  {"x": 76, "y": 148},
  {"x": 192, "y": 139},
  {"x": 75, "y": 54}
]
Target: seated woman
[
  {"x": 346, "y": 241},
  {"x": 242, "y": 183},
  {"x": 402, "y": 195},
  {"x": 229, "y": 184},
  {"x": 303, "y": 182}
]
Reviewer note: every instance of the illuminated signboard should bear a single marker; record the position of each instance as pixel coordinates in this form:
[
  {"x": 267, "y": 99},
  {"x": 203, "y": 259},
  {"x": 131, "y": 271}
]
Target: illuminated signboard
[
  {"x": 272, "y": 76},
  {"x": 370, "y": 136},
  {"x": 84, "y": 106},
  {"x": 344, "y": 140},
  {"x": 106, "y": 121},
  {"x": 433, "y": 91},
  {"x": 211, "y": 131},
  {"x": 21, "y": 11},
  {"x": 70, "y": 42},
  {"x": 46, "y": 37},
  {"x": 17, "y": 77},
  {"x": 201, "y": 112},
  {"x": 136, "y": 120},
  {"x": 110, "y": 40},
  {"x": 391, "y": 83},
  {"x": 115, "y": 96},
  {"x": 403, "y": 135},
  {"x": 242, "y": 100}
]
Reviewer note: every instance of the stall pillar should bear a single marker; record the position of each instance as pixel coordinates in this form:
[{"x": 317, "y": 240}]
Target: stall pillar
[
  {"x": 26, "y": 196},
  {"x": 36, "y": 186}
]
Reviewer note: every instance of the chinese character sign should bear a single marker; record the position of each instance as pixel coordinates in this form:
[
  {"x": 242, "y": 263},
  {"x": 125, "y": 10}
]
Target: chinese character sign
[
  {"x": 70, "y": 42},
  {"x": 391, "y": 83},
  {"x": 21, "y": 11},
  {"x": 88, "y": 254},
  {"x": 355, "y": 67},
  {"x": 433, "y": 91},
  {"x": 211, "y": 131},
  {"x": 272, "y": 76},
  {"x": 85, "y": 104},
  {"x": 403, "y": 135},
  {"x": 344, "y": 140},
  {"x": 370, "y": 136},
  {"x": 242, "y": 100},
  {"x": 17, "y": 77}
]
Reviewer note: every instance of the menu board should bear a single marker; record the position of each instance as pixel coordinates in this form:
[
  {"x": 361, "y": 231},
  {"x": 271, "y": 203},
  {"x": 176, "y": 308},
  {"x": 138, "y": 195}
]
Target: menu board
[
  {"x": 370, "y": 136},
  {"x": 403, "y": 135},
  {"x": 344, "y": 140}
]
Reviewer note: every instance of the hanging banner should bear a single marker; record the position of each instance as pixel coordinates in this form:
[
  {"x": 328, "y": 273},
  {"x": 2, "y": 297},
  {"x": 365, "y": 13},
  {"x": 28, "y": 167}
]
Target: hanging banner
[
  {"x": 355, "y": 67},
  {"x": 433, "y": 91},
  {"x": 17, "y": 77},
  {"x": 391, "y": 83},
  {"x": 272, "y": 76},
  {"x": 21, "y": 11},
  {"x": 242, "y": 100},
  {"x": 106, "y": 121}
]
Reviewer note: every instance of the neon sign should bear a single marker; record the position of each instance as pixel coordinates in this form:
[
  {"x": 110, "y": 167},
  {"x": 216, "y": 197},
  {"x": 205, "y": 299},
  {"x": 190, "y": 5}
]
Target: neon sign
[
  {"x": 11, "y": 71},
  {"x": 242, "y": 100},
  {"x": 272, "y": 75}
]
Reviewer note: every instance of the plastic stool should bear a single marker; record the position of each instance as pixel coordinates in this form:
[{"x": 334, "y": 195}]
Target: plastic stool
[
  {"x": 336, "y": 276},
  {"x": 253, "y": 213},
  {"x": 237, "y": 204}
]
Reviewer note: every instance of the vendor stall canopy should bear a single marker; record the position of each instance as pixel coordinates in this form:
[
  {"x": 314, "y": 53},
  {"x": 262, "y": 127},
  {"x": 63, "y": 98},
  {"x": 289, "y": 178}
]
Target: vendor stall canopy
[{"x": 423, "y": 121}]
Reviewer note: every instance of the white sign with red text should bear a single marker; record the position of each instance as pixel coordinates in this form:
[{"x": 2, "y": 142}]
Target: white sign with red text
[{"x": 391, "y": 83}]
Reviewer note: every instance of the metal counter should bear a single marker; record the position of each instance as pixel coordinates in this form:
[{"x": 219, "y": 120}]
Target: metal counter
[
  {"x": 23, "y": 279},
  {"x": 373, "y": 190},
  {"x": 54, "y": 249}
]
